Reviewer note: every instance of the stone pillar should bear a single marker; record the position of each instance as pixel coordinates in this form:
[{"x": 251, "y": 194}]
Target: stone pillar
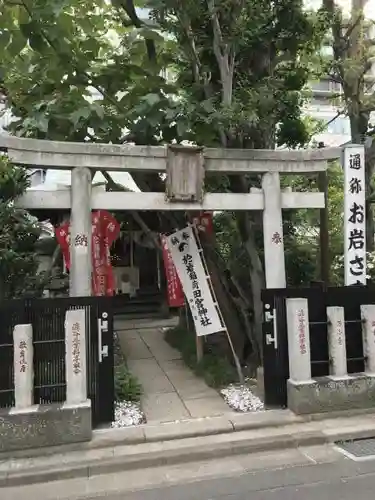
[
  {"x": 75, "y": 356},
  {"x": 298, "y": 340},
  {"x": 273, "y": 232},
  {"x": 23, "y": 366},
  {"x": 336, "y": 341},
  {"x": 80, "y": 233},
  {"x": 368, "y": 332}
]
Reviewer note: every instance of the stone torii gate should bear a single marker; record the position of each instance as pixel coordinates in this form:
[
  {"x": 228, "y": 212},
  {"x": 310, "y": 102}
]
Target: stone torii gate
[{"x": 185, "y": 168}]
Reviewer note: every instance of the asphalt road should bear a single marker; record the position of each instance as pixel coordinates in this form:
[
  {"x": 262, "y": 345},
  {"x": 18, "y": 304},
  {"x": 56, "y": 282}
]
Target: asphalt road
[
  {"x": 343, "y": 480},
  {"x": 310, "y": 473}
]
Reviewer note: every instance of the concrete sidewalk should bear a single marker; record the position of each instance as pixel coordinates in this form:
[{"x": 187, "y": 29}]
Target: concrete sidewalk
[
  {"x": 171, "y": 390},
  {"x": 112, "y": 451}
]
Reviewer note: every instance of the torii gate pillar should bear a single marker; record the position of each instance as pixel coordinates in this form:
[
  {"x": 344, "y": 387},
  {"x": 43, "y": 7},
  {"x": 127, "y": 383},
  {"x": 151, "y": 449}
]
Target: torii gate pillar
[
  {"x": 80, "y": 234},
  {"x": 273, "y": 231}
]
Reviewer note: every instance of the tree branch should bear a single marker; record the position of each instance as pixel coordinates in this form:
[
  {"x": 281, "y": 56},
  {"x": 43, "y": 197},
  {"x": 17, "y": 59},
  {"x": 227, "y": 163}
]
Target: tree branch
[
  {"x": 114, "y": 186},
  {"x": 128, "y": 6}
]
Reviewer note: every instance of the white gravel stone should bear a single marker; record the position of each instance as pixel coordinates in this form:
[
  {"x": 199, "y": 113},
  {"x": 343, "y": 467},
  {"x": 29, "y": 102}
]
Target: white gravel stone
[
  {"x": 127, "y": 414},
  {"x": 241, "y": 398}
]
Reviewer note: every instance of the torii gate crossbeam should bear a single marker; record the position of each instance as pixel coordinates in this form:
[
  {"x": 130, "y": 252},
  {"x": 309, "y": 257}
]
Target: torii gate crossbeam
[{"x": 81, "y": 199}]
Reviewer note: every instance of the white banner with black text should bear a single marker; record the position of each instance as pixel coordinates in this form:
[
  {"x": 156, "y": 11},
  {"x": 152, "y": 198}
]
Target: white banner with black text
[
  {"x": 188, "y": 263},
  {"x": 354, "y": 215}
]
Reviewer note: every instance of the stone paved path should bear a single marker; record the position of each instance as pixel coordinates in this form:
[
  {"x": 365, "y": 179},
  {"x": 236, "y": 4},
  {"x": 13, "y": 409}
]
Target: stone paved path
[{"x": 171, "y": 390}]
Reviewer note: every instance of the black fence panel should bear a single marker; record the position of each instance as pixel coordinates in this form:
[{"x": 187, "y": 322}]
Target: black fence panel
[
  {"x": 275, "y": 361},
  {"x": 47, "y": 317},
  {"x": 353, "y": 325},
  {"x": 275, "y": 349}
]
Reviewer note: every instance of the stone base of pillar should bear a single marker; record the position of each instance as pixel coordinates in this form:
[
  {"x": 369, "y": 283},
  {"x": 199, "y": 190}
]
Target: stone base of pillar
[
  {"x": 329, "y": 394},
  {"x": 45, "y": 425}
]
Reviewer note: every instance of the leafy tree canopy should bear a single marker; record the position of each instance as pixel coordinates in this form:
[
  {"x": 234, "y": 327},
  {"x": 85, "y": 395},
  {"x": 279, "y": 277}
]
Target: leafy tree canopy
[{"x": 18, "y": 235}]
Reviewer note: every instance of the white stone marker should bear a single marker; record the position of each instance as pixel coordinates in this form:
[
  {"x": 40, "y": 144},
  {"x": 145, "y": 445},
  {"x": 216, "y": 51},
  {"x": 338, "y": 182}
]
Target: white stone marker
[
  {"x": 75, "y": 356},
  {"x": 23, "y": 366},
  {"x": 298, "y": 340},
  {"x": 368, "y": 333},
  {"x": 80, "y": 234},
  {"x": 336, "y": 341},
  {"x": 273, "y": 232}
]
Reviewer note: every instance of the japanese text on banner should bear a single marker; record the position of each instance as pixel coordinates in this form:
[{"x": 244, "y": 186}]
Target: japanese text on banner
[
  {"x": 355, "y": 216},
  {"x": 175, "y": 295},
  {"x": 189, "y": 267}
]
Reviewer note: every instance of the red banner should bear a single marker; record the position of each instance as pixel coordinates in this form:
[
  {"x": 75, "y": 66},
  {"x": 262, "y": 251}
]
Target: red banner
[
  {"x": 204, "y": 222},
  {"x": 175, "y": 295},
  {"x": 105, "y": 230},
  {"x": 62, "y": 236}
]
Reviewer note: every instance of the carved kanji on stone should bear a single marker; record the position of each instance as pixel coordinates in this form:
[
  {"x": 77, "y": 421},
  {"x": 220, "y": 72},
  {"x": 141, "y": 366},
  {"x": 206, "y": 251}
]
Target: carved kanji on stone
[{"x": 276, "y": 238}]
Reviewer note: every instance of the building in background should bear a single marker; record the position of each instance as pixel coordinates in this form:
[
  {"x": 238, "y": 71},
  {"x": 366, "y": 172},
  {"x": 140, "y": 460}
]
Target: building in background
[{"x": 323, "y": 105}]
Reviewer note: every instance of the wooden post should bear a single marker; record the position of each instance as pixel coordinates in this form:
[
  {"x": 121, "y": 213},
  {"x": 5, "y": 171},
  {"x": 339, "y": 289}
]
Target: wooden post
[
  {"x": 199, "y": 344},
  {"x": 324, "y": 230}
]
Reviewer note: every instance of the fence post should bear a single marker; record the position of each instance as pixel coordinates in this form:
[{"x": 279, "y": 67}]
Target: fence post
[
  {"x": 298, "y": 340},
  {"x": 75, "y": 356},
  {"x": 368, "y": 335},
  {"x": 23, "y": 366},
  {"x": 336, "y": 341}
]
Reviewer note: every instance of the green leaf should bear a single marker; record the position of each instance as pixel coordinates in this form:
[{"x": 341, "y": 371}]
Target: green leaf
[
  {"x": 28, "y": 29},
  {"x": 17, "y": 44},
  {"x": 151, "y": 99},
  {"x": 181, "y": 128},
  {"x": 4, "y": 38},
  {"x": 37, "y": 42},
  {"x": 208, "y": 106},
  {"x": 81, "y": 113},
  {"x": 41, "y": 123}
]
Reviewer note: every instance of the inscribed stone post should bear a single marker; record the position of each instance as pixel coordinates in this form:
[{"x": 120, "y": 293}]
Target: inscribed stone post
[
  {"x": 273, "y": 232},
  {"x": 298, "y": 340},
  {"x": 80, "y": 234},
  {"x": 368, "y": 331},
  {"x": 75, "y": 356},
  {"x": 23, "y": 366},
  {"x": 336, "y": 341}
]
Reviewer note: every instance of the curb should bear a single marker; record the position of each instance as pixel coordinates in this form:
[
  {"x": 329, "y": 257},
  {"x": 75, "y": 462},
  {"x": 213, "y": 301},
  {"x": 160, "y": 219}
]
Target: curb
[
  {"x": 198, "y": 427},
  {"x": 149, "y": 455}
]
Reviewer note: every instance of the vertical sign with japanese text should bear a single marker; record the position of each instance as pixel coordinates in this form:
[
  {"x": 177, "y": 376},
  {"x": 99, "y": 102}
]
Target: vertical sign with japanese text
[
  {"x": 175, "y": 295},
  {"x": 354, "y": 215},
  {"x": 189, "y": 267},
  {"x": 105, "y": 230}
]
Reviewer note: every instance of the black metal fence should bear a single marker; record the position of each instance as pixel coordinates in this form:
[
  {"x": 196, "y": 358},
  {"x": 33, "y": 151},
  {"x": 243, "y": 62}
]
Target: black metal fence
[
  {"x": 47, "y": 317},
  {"x": 275, "y": 354}
]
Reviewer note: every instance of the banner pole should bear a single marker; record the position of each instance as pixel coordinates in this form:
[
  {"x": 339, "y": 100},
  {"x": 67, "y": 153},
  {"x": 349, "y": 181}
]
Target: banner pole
[{"x": 235, "y": 357}]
